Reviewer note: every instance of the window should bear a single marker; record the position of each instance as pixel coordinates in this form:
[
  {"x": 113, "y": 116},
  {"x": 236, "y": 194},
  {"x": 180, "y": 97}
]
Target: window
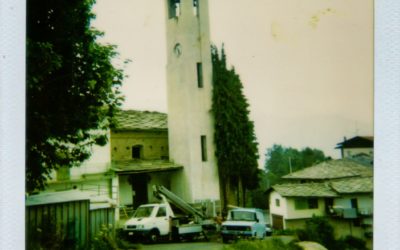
[
  {"x": 312, "y": 203},
  {"x": 354, "y": 203},
  {"x": 162, "y": 212},
  {"x": 174, "y": 8},
  {"x": 243, "y": 215},
  {"x": 328, "y": 205},
  {"x": 199, "y": 75},
  {"x": 301, "y": 204},
  {"x": 137, "y": 151},
  {"x": 196, "y": 7},
  {"x": 277, "y": 202},
  {"x": 203, "y": 148}
]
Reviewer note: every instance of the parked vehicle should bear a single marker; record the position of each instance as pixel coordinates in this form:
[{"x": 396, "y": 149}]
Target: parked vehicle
[
  {"x": 244, "y": 223},
  {"x": 268, "y": 230},
  {"x": 152, "y": 221}
]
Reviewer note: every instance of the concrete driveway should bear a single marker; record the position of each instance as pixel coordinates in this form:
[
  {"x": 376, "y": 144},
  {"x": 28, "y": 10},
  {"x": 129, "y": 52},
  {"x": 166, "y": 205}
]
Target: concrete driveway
[{"x": 185, "y": 246}]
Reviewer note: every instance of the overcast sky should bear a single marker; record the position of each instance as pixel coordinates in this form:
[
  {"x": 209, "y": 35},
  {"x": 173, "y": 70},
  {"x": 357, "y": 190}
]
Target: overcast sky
[{"x": 306, "y": 65}]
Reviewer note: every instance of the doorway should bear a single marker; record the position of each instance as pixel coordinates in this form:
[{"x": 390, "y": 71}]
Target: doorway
[{"x": 139, "y": 184}]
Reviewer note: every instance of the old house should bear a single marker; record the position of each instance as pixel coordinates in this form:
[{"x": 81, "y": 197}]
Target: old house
[
  {"x": 358, "y": 148},
  {"x": 146, "y": 148},
  {"x": 340, "y": 190},
  {"x": 140, "y": 157},
  {"x": 125, "y": 170}
]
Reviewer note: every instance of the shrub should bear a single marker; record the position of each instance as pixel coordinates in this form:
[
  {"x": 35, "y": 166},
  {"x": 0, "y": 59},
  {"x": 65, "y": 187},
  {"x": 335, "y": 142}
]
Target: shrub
[
  {"x": 284, "y": 232},
  {"x": 319, "y": 230},
  {"x": 104, "y": 240},
  {"x": 352, "y": 243},
  {"x": 107, "y": 240},
  {"x": 49, "y": 235}
]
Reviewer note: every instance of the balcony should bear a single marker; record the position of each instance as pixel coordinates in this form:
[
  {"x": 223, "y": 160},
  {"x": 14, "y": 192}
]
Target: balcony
[
  {"x": 349, "y": 213},
  {"x": 365, "y": 211}
]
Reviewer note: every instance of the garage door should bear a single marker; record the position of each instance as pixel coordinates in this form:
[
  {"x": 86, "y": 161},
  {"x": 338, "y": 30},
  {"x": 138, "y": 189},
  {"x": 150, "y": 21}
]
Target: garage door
[{"x": 277, "y": 221}]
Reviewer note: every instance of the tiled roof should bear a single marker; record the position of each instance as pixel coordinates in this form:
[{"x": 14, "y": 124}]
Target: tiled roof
[
  {"x": 140, "y": 166},
  {"x": 357, "y": 142},
  {"x": 326, "y": 189},
  {"x": 141, "y": 120},
  {"x": 304, "y": 190},
  {"x": 353, "y": 185},
  {"x": 333, "y": 169}
]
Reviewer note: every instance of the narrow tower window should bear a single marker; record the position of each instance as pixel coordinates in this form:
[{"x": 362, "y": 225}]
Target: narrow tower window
[
  {"x": 199, "y": 75},
  {"x": 174, "y": 8},
  {"x": 203, "y": 148},
  {"x": 196, "y": 7}
]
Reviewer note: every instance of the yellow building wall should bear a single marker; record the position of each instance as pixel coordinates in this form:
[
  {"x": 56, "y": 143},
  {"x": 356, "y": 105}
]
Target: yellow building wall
[{"x": 154, "y": 144}]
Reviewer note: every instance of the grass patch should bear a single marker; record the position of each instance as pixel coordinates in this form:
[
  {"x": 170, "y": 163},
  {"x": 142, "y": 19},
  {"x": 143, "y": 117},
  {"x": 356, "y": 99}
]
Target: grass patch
[{"x": 267, "y": 244}]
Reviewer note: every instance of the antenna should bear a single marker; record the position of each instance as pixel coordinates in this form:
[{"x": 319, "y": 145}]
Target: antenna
[{"x": 356, "y": 128}]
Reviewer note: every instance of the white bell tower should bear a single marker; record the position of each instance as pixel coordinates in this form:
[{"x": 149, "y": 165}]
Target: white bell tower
[{"x": 189, "y": 80}]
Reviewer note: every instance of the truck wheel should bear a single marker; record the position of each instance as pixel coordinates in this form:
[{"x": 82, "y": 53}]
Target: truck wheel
[
  {"x": 153, "y": 236},
  {"x": 225, "y": 239}
]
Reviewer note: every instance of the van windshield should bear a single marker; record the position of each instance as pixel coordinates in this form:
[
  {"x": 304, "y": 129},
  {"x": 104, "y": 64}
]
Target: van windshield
[
  {"x": 243, "y": 215},
  {"x": 143, "y": 212}
]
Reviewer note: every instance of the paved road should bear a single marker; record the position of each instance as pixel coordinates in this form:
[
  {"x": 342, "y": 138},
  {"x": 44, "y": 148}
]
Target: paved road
[{"x": 185, "y": 246}]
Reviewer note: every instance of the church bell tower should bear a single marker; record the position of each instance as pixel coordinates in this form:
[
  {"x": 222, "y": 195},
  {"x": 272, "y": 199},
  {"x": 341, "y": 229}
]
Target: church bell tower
[{"x": 189, "y": 80}]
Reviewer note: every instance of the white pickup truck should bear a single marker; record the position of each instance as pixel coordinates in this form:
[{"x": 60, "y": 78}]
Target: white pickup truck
[{"x": 152, "y": 221}]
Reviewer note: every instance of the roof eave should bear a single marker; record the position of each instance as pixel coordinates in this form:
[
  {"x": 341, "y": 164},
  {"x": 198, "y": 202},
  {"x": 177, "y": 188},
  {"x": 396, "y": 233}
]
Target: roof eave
[{"x": 139, "y": 130}]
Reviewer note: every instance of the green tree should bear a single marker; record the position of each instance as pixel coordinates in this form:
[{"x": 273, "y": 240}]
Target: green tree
[
  {"x": 281, "y": 160},
  {"x": 72, "y": 87},
  {"x": 236, "y": 145}
]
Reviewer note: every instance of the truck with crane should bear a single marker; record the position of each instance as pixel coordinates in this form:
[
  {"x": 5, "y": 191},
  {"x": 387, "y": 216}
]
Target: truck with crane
[{"x": 158, "y": 220}]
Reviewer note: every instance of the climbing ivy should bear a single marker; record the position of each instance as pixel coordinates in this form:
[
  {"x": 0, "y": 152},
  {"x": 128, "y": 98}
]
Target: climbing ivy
[{"x": 236, "y": 143}]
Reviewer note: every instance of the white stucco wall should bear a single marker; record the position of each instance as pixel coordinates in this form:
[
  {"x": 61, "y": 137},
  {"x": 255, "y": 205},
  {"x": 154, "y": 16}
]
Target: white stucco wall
[
  {"x": 189, "y": 106},
  {"x": 125, "y": 191},
  {"x": 98, "y": 162},
  {"x": 282, "y": 209},
  {"x": 287, "y": 207},
  {"x": 101, "y": 186},
  {"x": 292, "y": 213},
  {"x": 354, "y": 151}
]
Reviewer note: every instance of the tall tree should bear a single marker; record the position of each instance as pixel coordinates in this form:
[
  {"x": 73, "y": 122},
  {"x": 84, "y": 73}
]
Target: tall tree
[
  {"x": 281, "y": 160},
  {"x": 72, "y": 87},
  {"x": 236, "y": 145}
]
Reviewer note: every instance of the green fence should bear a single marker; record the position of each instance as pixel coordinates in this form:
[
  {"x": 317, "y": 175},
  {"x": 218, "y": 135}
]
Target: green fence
[
  {"x": 101, "y": 217},
  {"x": 65, "y": 224}
]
